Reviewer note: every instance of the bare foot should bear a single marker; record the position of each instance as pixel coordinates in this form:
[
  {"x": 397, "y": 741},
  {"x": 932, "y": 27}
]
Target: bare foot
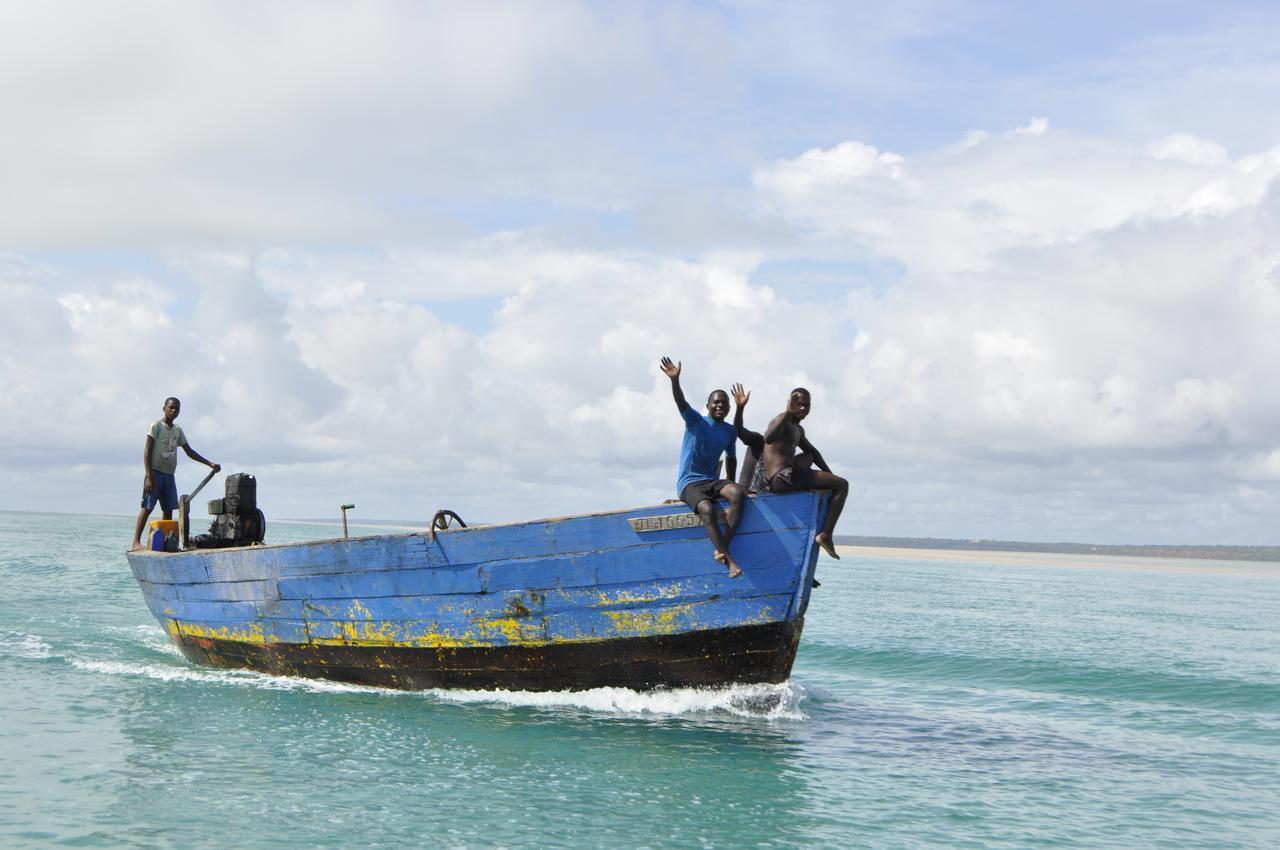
[
  {"x": 136, "y": 546},
  {"x": 734, "y": 569},
  {"x": 824, "y": 540},
  {"x": 721, "y": 557}
]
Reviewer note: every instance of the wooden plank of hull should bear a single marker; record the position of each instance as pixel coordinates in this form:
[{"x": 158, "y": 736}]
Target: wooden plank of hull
[
  {"x": 204, "y": 602},
  {"x": 673, "y": 563},
  {"x": 746, "y": 654}
]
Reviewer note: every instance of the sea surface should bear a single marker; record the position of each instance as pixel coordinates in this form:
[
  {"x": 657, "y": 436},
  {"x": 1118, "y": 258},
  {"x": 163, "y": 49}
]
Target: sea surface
[{"x": 938, "y": 700}]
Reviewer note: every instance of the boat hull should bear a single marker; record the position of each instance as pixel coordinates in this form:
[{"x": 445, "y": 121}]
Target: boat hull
[
  {"x": 622, "y": 599},
  {"x": 741, "y": 654}
]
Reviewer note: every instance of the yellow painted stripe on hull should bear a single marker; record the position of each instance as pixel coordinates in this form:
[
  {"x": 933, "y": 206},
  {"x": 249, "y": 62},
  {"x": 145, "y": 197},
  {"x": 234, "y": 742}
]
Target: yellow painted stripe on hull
[{"x": 513, "y": 631}]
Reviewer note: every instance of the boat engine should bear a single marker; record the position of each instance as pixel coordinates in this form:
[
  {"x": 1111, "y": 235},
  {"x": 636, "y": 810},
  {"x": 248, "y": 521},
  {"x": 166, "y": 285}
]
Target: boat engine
[{"x": 237, "y": 519}]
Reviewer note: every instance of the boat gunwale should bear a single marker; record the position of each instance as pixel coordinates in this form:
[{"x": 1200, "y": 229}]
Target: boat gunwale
[{"x": 412, "y": 534}]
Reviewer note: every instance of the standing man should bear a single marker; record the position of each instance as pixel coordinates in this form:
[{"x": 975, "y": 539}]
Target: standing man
[
  {"x": 705, "y": 439},
  {"x": 786, "y": 472},
  {"x": 160, "y": 462}
]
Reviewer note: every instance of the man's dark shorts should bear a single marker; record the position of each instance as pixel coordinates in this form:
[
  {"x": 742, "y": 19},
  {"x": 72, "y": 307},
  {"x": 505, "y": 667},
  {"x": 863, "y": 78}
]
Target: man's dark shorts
[
  {"x": 791, "y": 479},
  {"x": 697, "y": 491},
  {"x": 164, "y": 489}
]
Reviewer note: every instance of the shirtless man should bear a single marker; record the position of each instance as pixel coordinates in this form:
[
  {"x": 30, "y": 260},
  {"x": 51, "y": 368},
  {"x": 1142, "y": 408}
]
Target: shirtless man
[
  {"x": 786, "y": 472},
  {"x": 705, "y": 439}
]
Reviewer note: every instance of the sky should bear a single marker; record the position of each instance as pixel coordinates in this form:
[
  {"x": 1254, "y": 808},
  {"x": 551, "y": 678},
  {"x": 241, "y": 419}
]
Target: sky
[{"x": 409, "y": 256}]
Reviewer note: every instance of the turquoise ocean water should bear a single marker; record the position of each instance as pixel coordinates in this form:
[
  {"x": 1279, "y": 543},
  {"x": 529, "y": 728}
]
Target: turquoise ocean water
[{"x": 935, "y": 703}]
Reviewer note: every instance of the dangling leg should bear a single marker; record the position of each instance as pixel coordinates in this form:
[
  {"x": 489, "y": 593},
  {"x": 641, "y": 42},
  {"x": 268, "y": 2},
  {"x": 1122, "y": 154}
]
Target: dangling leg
[
  {"x": 733, "y": 494},
  {"x": 707, "y": 513},
  {"x": 839, "y": 490}
]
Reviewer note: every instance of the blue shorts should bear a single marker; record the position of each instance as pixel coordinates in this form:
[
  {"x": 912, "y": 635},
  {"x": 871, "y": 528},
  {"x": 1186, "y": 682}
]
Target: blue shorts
[{"x": 164, "y": 489}]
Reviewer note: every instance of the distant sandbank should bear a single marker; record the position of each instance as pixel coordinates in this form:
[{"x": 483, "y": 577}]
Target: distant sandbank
[{"x": 1058, "y": 559}]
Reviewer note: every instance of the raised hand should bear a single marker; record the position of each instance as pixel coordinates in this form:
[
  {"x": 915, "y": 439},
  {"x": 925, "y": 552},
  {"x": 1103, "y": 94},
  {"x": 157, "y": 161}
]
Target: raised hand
[
  {"x": 740, "y": 396},
  {"x": 672, "y": 370}
]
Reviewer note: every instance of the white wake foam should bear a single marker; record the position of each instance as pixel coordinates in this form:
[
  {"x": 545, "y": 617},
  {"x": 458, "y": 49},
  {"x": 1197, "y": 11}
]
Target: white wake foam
[
  {"x": 150, "y": 671},
  {"x": 780, "y": 702},
  {"x": 767, "y": 701},
  {"x": 154, "y": 639},
  {"x": 31, "y": 646},
  {"x": 170, "y": 673}
]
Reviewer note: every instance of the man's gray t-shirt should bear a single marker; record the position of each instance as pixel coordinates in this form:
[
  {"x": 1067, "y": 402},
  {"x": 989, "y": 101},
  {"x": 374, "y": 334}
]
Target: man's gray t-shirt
[{"x": 164, "y": 454}]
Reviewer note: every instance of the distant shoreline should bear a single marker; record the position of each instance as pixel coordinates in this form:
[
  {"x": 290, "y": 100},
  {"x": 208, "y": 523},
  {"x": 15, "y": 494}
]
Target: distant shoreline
[
  {"x": 1200, "y": 553},
  {"x": 1061, "y": 560}
]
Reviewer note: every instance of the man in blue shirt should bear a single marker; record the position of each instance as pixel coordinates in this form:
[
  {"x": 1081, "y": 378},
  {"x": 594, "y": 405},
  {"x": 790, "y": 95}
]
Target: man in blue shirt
[{"x": 705, "y": 439}]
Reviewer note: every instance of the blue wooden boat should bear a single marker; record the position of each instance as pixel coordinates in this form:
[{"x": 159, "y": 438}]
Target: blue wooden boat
[{"x": 627, "y": 598}]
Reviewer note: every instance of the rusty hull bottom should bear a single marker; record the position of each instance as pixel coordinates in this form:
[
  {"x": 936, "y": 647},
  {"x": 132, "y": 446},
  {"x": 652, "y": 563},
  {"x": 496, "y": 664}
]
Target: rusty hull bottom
[{"x": 744, "y": 654}]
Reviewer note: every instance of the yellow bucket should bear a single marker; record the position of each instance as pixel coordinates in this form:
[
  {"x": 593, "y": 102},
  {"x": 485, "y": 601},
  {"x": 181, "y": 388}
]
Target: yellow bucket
[{"x": 168, "y": 526}]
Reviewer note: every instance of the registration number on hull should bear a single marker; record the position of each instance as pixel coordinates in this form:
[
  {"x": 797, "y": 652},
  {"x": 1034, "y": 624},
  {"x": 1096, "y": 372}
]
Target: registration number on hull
[{"x": 669, "y": 522}]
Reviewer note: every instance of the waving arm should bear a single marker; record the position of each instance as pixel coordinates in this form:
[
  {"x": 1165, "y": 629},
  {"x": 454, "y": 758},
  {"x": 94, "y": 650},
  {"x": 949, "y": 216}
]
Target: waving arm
[
  {"x": 672, "y": 371},
  {"x": 740, "y": 399}
]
